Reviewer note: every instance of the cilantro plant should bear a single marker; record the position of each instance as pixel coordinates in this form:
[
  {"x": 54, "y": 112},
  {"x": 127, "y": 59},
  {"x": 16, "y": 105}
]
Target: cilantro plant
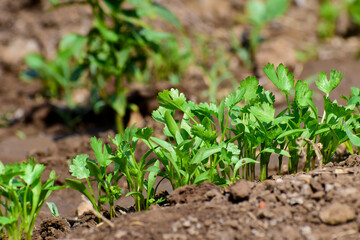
[
  {"x": 198, "y": 147},
  {"x": 91, "y": 170},
  {"x": 22, "y": 194},
  {"x": 119, "y": 47},
  {"x": 133, "y": 171},
  {"x": 125, "y": 165},
  {"x": 198, "y": 150},
  {"x": 223, "y": 142}
]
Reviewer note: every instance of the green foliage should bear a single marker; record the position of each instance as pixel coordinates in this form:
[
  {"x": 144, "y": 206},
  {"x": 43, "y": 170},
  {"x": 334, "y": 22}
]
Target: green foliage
[
  {"x": 22, "y": 194},
  {"x": 221, "y": 143},
  {"x": 125, "y": 165},
  {"x": 330, "y": 11},
  {"x": 96, "y": 170},
  {"x": 134, "y": 171},
  {"x": 120, "y": 46}
]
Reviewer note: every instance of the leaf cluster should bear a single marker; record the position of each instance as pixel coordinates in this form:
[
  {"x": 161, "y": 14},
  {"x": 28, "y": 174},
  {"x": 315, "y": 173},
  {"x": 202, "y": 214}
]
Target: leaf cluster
[
  {"x": 22, "y": 194},
  {"x": 221, "y": 143},
  {"x": 120, "y": 46}
]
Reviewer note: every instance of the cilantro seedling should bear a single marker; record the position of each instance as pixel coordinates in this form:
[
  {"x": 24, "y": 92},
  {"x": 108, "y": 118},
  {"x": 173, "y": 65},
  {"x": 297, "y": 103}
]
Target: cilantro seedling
[
  {"x": 135, "y": 172},
  {"x": 91, "y": 170},
  {"x": 22, "y": 194}
]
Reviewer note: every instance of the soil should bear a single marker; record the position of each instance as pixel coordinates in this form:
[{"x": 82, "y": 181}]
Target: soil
[{"x": 321, "y": 204}]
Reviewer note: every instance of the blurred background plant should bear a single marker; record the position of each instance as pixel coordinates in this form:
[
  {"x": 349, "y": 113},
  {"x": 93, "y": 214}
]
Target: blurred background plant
[
  {"x": 257, "y": 15},
  {"x": 329, "y": 14},
  {"x": 121, "y": 46}
]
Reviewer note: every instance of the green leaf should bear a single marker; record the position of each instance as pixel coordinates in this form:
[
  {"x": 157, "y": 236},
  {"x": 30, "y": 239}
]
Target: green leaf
[
  {"x": 144, "y": 8},
  {"x": 80, "y": 187},
  {"x": 235, "y": 98},
  {"x": 250, "y": 84},
  {"x": 2, "y": 168},
  {"x": 75, "y": 43},
  {"x": 171, "y": 124},
  {"x": 171, "y": 99},
  {"x": 334, "y": 108},
  {"x": 7, "y": 220},
  {"x": 292, "y": 132},
  {"x": 209, "y": 108},
  {"x": 242, "y": 162},
  {"x": 101, "y": 156},
  {"x": 263, "y": 112},
  {"x": 122, "y": 57},
  {"x": 105, "y": 32},
  {"x": 202, "y": 177},
  {"x": 53, "y": 209},
  {"x": 115, "y": 191},
  {"x": 78, "y": 168},
  {"x": 275, "y": 8},
  {"x": 144, "y": 133},
  {"x": 154, "y": 170},
  {"x": 303, "y": 95},
  {"x": 203, "y": 133},
  {"x": 167, "y": 15},
  {"x": 159, "y": 115},
  {"x": 34, "y": 61},
  {"x": 256, "y": 12},
  {"x": 118, "y": 102},
  {"x": 353, "y": 138},
  {"x": 32, "y": 171},
  {"x": 282, "y": 78},
  {"x": 221, "y": 115},
  {"x": 163, "y": 144},
  {"x": 326, "y": 85},
  {"x": 95, "y": 171},
  {"x": 204, "y": 153},
  {"x": 277, "y": 151},
  {"x": 155, "y": 36}
]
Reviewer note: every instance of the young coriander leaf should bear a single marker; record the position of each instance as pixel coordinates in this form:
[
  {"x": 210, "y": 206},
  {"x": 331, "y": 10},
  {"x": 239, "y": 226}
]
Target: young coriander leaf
[
  {"x": 32, "y": 171},
  {"x": 334, "y": 108},
  {"x": 204, "y": 134},
  {"x": 235, "y": 98},
  {"x": 209, "y": 108},
  {"x": 102, "y": 157},
  {"x": 355, "y": 97},
  {"x": 159, "y": 115},
  {"x": 327, "y": 86},
  {"x": 353, "y": 138},
  {"x": 144, "y": 133},
  {"x": 251, "y": 86},
  {"x": 79, "y": 168},
  {"x": 282, "y": 78},
  {"x": 303, "y": 95},
  {"x": 171, "y": 99},
  {"x": 263, "y": 112}
]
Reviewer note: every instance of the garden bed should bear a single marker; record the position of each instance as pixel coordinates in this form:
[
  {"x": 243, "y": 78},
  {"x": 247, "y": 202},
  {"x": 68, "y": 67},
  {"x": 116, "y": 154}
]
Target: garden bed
[{"x": 321, "y": 204}]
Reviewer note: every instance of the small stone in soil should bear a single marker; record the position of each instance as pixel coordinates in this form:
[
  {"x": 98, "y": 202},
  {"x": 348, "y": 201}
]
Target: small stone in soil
[
  {"x": 337, "y": 213},
  {"x": 240, "y": 191}
]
